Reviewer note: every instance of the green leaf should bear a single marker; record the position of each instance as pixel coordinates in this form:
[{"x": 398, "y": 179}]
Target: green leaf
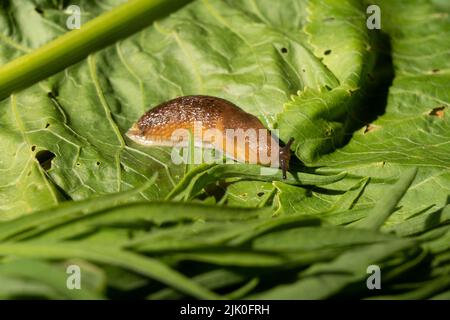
[
  {"x": 383, "y": 209},
  {"x": 146, "y": 266},
  {"x": 421, "y": 223},
  {"x": 40, "y": 273},
  {"x": 77, "y": 191},
  {"x": 230, "y": 52},
  {"x": 317, "y": 117},
  {"x": 313, "y": 238},
  {"x": 206, "y": 174},
  {"x": 215, "y": 279},
  {"x": 248, "y": 193},
  {"x": 66, "y": 212},
  {"x": 324, "y": 280},
  {"x": 409, "y": 132},
  {"x": 425, "y": 291},
  {"x": 138, "y": 214}
]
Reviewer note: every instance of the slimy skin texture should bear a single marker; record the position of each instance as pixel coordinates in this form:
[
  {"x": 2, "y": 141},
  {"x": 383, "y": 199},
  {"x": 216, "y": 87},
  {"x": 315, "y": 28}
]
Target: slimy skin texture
[{"x": 157, "y": 126}]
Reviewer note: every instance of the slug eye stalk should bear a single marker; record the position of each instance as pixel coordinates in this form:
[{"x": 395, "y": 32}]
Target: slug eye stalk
[{"x": 285, "y": 156}]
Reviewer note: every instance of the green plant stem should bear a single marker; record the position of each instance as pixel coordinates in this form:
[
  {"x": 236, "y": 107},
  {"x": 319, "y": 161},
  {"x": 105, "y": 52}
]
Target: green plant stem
[{"x": 76, "y": 45}]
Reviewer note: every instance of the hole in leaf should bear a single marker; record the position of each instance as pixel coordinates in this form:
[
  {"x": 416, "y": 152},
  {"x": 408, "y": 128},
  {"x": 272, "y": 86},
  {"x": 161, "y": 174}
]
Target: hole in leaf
[
  {"x": 437, "y": 112},
  {"x": 45, "y": 157},
  {"x": 47, "y": 125},
  {"x": 39, "y": 10},
  {"x": 260, "y": 194},
  {"x": 351, "y": 92},
  {"x": 284, "y": 50},
  {"x": 369, "y": 128},
  {"x": 78, "y": 164},
  {"x": 327, "y": 52},
  {"x": 97, "y": 163},
  {"x": 53, "y": 94},
  {"x": 33, "y": 148}
]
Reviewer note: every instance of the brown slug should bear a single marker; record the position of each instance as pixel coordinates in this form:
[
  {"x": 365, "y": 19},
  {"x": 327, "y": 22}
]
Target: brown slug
[{"x": 215, "y": 123}]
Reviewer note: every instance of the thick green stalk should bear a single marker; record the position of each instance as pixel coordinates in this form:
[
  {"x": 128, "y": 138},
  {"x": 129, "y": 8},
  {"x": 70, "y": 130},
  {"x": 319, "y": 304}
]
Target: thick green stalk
[{"x": 78, "y": 44}]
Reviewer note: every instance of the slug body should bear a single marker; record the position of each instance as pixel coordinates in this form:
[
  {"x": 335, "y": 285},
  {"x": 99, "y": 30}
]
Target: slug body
[{"x": 214, "y": 123}]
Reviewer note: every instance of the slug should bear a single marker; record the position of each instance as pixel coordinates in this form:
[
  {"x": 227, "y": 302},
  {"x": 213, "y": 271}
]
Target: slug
[{"x": 215, "y": 123}]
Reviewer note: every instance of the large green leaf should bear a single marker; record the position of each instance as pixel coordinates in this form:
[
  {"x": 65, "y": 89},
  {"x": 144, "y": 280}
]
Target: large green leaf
[
  {"x": 235, "y": 49},
  {"x": 318, "y": 117},
  {"x": 147, "y": 228},
  {"x": 415, "y": 128}
]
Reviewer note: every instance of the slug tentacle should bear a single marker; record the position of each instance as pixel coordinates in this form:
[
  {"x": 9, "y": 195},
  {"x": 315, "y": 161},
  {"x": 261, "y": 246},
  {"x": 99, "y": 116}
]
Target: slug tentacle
[
  {"x": 215, "y": 123},
  {"x": 285, "y": 156}
]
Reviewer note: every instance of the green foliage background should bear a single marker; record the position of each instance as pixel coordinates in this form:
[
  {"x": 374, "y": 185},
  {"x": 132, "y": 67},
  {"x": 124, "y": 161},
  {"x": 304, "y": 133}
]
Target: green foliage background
[{"x": 374, "y": 188}]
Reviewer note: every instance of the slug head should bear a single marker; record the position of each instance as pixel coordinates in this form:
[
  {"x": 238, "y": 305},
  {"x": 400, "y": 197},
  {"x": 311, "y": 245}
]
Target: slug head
[{"x": 285, "y": 156}]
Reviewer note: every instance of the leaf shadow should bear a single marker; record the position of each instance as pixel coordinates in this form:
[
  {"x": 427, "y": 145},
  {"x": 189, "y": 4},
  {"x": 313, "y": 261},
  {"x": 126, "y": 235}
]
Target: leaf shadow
[
  {"x": 435, "y": 219},
  {"x": 374, "y": 102}
]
